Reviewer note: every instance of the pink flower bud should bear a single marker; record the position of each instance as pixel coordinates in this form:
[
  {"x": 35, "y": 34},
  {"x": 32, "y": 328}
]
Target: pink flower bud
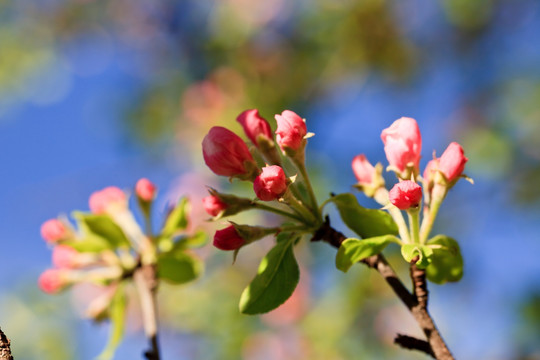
[
  {"x": 213, "y": 205},
  {"x": 402, "y": 143},
  {"x": 430, "y": 170},
  {"x": 228, "y": 239},
  {"x": 254, "y": 126},
  {"x": 101, "y": 200},
  {"x": 64, "y": 257},
  {"x": 53, "y": 230},
  {"x": 145, "y": 190},
  {"x": 452, "y": 162},
  {"x": 270, "y": 184},
  {"x": 405, "y": 194},
  {"x": 51, "y": 281},
  {"x": 225, "y": 153},
  {"x": 363, "y": 170},
  {"x": 291, "y": 130}
]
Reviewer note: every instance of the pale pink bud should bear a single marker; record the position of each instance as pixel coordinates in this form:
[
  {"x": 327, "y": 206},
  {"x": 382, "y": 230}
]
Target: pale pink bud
[
  {"x": 145, "y": 190},
  {"x": 402, "y": 143},
  {"x": 405, "y": 194},
  {"x": 363, "y": 170},
  {"x": 64, "y": 257},
  {"x": 430, "y": 170},
  {"x": 271, "y": 183},
  {"x": 291, "y": 130},
  {"x": 101, "y": 200},
  {"x": 452, "y": 162},
  {"x": 255, "y": 126},
  {"x": 51, "y": 281},
  {"x": 225, "y": 153},
  {"x": 228, "y": 239},
  {"x": 53, "y": 230},
  {"x": 213, "y": 205}
]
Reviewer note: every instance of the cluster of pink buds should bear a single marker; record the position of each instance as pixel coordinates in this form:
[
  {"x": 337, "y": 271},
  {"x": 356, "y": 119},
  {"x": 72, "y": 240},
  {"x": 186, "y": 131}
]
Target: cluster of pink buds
[
  {"x": 226, "y": 154},
  {"x": 108, "y": 248},
  {"x": 403, "y": 145}
]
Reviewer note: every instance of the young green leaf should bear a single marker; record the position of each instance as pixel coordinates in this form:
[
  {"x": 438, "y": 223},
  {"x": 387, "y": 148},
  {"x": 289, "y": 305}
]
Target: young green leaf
[
  {"x": 177, "y": 219},
  {"x": 447, "y": 263},
  {"x": 100, "y": 232},
  {"x": 409, "y": 251},
  {"x": 354, "y": 250},
  {"x": 179, "y": 267},
  {"x": 117, "y": 315},
  {"x": 367, "y": 223},
  {"x": 275, "y": 281}
]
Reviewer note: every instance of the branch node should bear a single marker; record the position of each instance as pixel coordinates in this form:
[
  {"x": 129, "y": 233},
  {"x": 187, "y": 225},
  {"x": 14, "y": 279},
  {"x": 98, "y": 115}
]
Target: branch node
[{"x": 412, "y": 343}]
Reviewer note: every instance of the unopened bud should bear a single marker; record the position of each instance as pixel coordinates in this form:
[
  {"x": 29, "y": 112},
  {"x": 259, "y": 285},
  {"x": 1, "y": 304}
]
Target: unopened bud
[
  {"x": 405, "y": 195},
  {"x": 110, "y": 199},
  {"x": 145, "y": 190},
  {"x": 54, "y": 230},
  {"x": 52, "y": 281},
  {"x": 271, "y": 184},
  {"x": 402, "y": 145}
]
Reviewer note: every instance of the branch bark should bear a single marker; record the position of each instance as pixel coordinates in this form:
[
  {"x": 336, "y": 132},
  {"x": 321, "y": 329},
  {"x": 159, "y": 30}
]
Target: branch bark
[
  {"x": 5, "y": 348},
  {"x": 416, "y": 301},
  {"x": 146, "y": 283}
]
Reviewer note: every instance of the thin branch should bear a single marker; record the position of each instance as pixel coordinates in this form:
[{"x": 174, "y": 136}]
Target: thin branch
[
  {"x": 412, "y": 343},
  {"x": 5, "y": 349},
  {"x": 416, "y": 302}
]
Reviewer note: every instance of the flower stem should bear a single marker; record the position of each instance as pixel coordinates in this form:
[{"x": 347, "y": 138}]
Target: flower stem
[
  {"x": 314, "y": 207},
  {"x": 145, "y": 279},
  {"x": 437, "y": 197},
  {"x": 274, "y": 210},
  {"x": 414, "y": 225}
]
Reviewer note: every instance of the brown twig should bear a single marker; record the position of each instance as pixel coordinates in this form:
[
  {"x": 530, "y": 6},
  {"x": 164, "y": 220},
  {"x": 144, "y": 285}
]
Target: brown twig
[
  {"x": 5, "y": 349},
  {"x": 412, "y": 343},
  {"x": 416, "y": 302}
]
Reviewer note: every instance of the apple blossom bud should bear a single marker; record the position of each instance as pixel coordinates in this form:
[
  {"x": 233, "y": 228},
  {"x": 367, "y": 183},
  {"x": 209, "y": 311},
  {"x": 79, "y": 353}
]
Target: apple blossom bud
[
  {"x": 363, "y": 170},
  {"x": 291, "y": 130},
  {"x": 405, "y": 194},
  {"x": 145, "y": 190},
  {"x": 226, "y": 154},
  {"x": 52, "y": 281},
  {"x": 228, "y": 239},
  {"x": 54, "y": 230},
  {"x": 213, "y": 205},
  {"x": 402, "y": 145},
  {"x": 271, "y": 183},
  {"x": 256, "y": 127},
  {"x": 452, "y": 162},
  {"x": 64, "y": 257},
  {"x": 101, "y": 201}
]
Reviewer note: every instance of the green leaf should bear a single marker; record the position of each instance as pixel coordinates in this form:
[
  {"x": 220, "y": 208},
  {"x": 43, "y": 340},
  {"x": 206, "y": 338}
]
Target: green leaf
[
  {"x": 179, "y": 267},
  {"x": 447, "y": 263},
  {"x": 354, "y": 250},
  {"x": 177, "y": 219},
  {"x": 117, "y": 315},
  {"x": 197, "y": 240},
  {"x": 367, "y": 223},
  {"x": 409, "y": 251},
  {"x": 275, "y": 281},
  {"x": 99, "y": 232}
]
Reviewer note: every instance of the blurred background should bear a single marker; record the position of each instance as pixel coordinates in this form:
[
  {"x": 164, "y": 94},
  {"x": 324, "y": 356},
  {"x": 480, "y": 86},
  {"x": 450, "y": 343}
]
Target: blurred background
[{"x": 98, "y": 93}]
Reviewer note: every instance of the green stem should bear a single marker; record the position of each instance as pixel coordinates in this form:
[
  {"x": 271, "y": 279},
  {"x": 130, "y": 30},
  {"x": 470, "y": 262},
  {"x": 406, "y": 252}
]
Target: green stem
[
  {"x": 274, "y": 210},
  {"x": 414, "y": 225},
  {"x": 299, "y": 208},
  {"x": 314, "y": 207},
  {"x": 437, "y": 197}
]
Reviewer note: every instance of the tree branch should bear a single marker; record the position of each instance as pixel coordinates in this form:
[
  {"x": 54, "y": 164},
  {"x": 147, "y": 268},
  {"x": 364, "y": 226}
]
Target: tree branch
[
  {"x": 416, "y": 302},
  {"x": 5, "y": 349},
  {"x": 412, "y": 343}
]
